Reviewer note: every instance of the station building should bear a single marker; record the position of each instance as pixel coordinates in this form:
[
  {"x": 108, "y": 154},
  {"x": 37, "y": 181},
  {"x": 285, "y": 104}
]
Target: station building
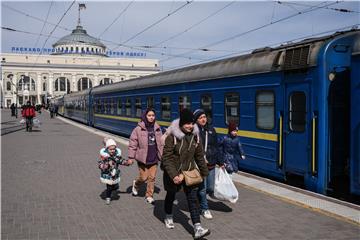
[{"x": 76, "y": 62}]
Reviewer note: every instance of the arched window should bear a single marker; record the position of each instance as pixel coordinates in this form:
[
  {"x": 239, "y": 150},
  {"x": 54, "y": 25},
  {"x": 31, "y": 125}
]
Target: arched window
[
  {"x": 62, "y": 84},
  {"x": 44, "y": 86},
  {"x": 32, "y": 85},
  {"x": 106, "y": 81},
  {"x": 24, "y": 83},
  {"x": 84, "y": 83},
  {"x": 8, "y": 86}
]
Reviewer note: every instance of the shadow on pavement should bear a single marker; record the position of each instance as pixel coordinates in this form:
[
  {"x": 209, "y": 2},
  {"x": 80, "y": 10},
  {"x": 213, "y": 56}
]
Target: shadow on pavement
[
  {"x": 114, "y": 195},
  {"x": 9, "y": 130},
  {"x": 142, "y": 190},
  {"x": 179, "y": 217}
]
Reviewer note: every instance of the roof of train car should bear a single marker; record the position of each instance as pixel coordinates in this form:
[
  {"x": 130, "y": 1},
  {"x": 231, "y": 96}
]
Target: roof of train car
[
  {"x": 77, "y": 94},
  {"x": 259, "y": 61}
]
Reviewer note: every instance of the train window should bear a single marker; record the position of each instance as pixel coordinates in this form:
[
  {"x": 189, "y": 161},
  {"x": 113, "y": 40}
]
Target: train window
[
  {"x": 232, "y": 107},
  {"x": 128, "y": 107},
  {"x": 99, "y": 106},
  {"x": 119, "y": 107},
  {"x": 297, "y": 112},
  {"x": 113, "y": 106},
  {"x": 165, "y": 108},
  {"x": 206, "y": 105},
  {"x": 184, "y": 102},
  {"x": 108, "y": 106},
  {"x": 265, "y": 110},
  {"x": 102, "y": 107},
  {"x": 138, "y": 110},
  {"x": 150, "y": 102}
]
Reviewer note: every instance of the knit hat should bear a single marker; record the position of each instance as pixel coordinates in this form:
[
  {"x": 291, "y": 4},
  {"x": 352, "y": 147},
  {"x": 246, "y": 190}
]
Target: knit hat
[
  {"x": 186, "y": 116},
  {"x": 232, "y": 126},
  {"x": 110, "y": 142},
  {"x": 198, "y": 113}
]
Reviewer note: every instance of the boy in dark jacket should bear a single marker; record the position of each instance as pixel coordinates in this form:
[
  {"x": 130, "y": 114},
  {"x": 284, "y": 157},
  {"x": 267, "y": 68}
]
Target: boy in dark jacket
[
  {"x": 182, "y": 151},
  {"x": 208, "y": 138}
]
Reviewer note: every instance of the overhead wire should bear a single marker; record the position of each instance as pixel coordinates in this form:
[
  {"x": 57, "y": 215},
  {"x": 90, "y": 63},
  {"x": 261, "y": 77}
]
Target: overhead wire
[
  {"x": 62, "y": 17},
  {"x": 141, "y": 48},
  {"x": 117, "y": 17},
  {"x": 155, "y": 23},
  {"x": 33, "y": 17},
  {"x": 194, "y": 25},
  {"x": 343, "y": 10},
  {"x": 355, "y": 26},
  {"x": 42, "y": 29},
  {"x": 313, "y": 8}
]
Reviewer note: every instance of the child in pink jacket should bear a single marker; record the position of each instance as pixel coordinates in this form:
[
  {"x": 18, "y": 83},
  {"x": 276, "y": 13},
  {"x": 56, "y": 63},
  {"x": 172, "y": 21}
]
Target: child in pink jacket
[{"x": 145, "y": 146}]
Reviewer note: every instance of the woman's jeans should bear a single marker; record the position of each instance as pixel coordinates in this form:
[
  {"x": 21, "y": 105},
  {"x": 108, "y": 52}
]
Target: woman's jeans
[
  {"x": 207, "y": 186},
  {"x": 191, "y": 195}
]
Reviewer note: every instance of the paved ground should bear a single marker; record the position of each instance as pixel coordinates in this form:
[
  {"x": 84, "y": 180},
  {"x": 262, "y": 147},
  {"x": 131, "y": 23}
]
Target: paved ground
[{"x": 50, "y": 190}]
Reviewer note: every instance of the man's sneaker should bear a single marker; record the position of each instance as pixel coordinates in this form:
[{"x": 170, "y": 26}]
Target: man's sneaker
[
  {"x": 200, "y": 232},
  {"x": 107, "y": 201},
  {"x": 134, "y": 190},
  {"x": 150, "y": 200},
  {"x": 207, "y": 214},
  {"x": 169, "y": 222}
]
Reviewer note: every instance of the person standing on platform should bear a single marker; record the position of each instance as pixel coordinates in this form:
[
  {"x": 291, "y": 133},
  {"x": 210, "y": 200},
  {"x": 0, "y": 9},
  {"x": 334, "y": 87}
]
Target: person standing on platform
[
  {"x": 12, "y": 107},
  {"x": 145, "y": 146},
  {"x": 182, "y": 152},
  {"x": 208, "y": 138},
  {"x": 28, "y": 112},
  {"x": 232, "y": 149}
]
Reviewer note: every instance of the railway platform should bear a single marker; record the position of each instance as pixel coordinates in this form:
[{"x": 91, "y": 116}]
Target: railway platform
[{"x": 50, "y": 189}]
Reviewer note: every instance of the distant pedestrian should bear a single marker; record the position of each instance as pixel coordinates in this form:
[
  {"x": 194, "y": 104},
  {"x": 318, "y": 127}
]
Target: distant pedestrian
[
  {"x": 13, "y": 108},
  {"x": 110, "y": 160},
  {"x": 208, "y": 138},
  {"x": 232, "y": 149},
  {"x": 145, "y": 146},
  {"x": 28, "y": 113},
  {"x": 182, "y": 152}
]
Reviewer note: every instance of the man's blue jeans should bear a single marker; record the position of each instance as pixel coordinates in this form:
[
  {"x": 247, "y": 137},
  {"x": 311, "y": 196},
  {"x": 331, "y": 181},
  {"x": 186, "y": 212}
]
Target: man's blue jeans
[{"x": 207, "y": 186}]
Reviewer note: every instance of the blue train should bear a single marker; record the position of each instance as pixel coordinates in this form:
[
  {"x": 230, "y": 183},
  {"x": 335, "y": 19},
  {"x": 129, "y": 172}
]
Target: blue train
[{"x": 297, "y": 107}]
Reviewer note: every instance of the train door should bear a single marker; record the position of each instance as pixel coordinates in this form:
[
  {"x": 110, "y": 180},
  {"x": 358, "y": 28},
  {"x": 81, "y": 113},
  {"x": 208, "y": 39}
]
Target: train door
[
  {"x": 339, "y": 133},
  {"x": 296, "y": 129}
]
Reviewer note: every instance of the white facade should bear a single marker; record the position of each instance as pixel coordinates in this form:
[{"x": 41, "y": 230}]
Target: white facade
[{"x": 78, "y": 62}]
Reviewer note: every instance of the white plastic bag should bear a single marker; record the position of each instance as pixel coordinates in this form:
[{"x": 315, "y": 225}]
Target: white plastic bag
[
  {"x": 22, "y": 121},
  {"x": 36, "y": 122},
  {"x": 224, "y": 186}
]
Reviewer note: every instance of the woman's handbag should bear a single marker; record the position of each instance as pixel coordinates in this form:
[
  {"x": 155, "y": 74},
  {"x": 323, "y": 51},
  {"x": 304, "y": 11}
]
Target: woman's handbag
[{"x": 192, "y": 177}]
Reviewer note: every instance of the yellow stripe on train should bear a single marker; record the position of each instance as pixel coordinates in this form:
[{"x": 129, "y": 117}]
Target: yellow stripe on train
[{"x": 243, "y": 133}]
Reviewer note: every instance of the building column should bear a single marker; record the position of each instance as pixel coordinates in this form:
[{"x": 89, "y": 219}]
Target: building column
[
  {"x": 38, "y": 87},
  {"x": 51, "y": 82},
  {"x": 14, "y": 87},
  {"x": 96, "y": 80},
  {"x": 73, "y": 82},
  {"x": 3, "y": 84}
]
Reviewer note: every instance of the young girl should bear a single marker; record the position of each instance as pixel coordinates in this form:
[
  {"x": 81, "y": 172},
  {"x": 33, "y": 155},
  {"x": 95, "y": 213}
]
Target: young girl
[
  {"x": 110, "y": 160},
  {"x": 145, "y": 146},
  {"x": 232, "y": 149}
]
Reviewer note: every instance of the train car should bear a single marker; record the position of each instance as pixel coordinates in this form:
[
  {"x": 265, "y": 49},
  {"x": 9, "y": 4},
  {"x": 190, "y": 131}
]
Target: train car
[
  {"x": 295, "y": 106},
  {"x": 59, "y": 103},
  {"x": 76, "y": 106}
]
